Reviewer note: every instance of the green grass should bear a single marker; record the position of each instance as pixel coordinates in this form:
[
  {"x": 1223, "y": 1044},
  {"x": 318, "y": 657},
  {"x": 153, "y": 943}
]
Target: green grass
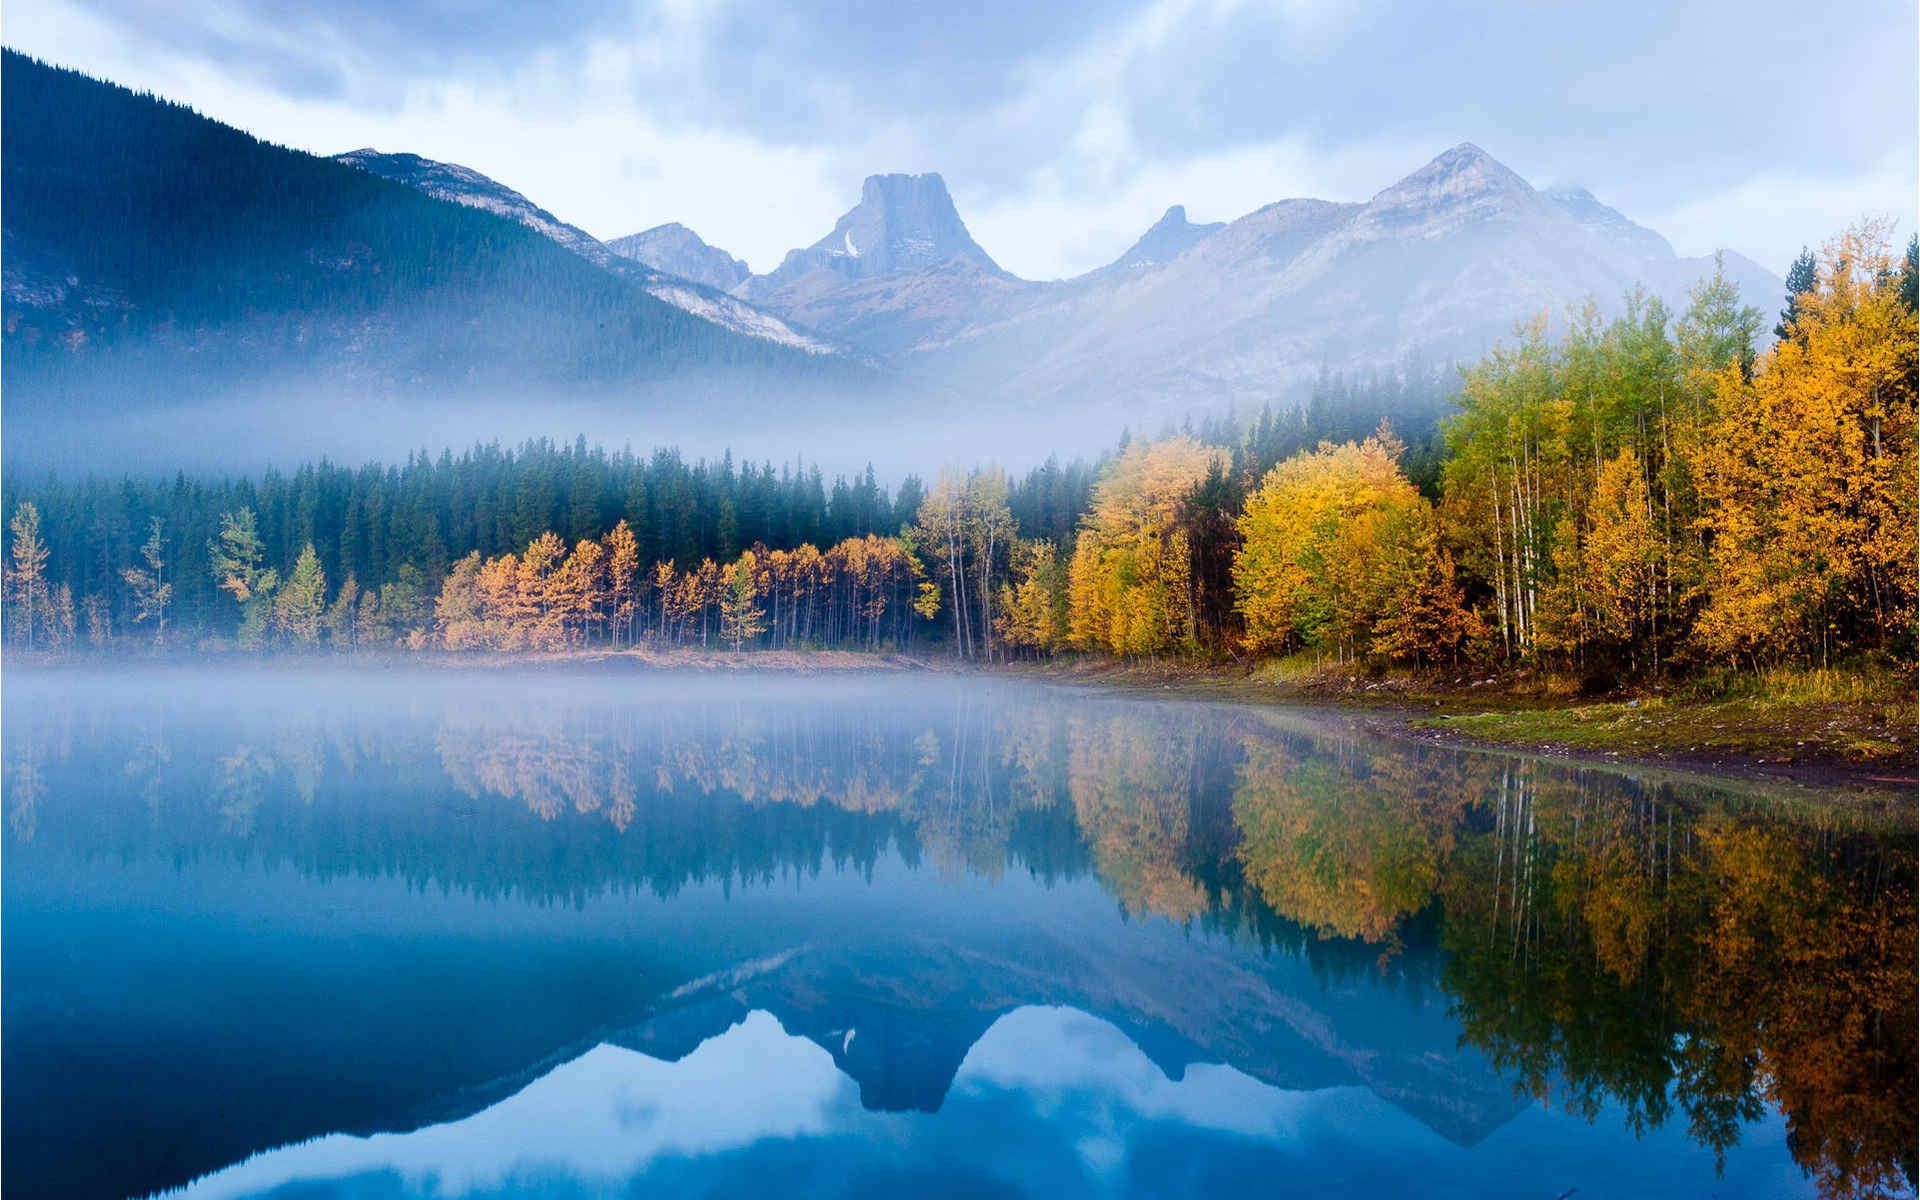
[
  {"x": 1775, "y": 716},
  {"x": 1294, "y": 668}
]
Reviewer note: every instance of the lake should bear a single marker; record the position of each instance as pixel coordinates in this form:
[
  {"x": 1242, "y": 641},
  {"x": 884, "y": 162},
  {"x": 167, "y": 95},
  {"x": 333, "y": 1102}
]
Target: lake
[{"x": 315, "y": 933}]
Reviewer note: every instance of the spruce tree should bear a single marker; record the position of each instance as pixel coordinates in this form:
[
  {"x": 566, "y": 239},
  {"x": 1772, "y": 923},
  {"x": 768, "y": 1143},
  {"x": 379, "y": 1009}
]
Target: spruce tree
[{"x": 1802, "y": 278}]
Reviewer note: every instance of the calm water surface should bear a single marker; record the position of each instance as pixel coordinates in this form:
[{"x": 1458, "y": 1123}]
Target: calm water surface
[{"x": 386, "y": 934}]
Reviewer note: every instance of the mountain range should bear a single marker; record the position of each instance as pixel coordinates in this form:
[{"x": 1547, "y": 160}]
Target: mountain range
[
  {"x": 1442, "y": 263},
  {"x": 155, "y": 259}
]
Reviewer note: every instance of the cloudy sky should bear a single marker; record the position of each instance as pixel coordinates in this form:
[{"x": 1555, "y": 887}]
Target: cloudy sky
[{"x": 1063, "y": 128}]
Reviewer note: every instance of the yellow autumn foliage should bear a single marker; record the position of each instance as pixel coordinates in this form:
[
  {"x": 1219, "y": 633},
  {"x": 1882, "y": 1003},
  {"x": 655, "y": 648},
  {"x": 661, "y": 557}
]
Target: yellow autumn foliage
[
  {"x": 1807, "y": 472},
  {"x": 1130, "y": 583}
]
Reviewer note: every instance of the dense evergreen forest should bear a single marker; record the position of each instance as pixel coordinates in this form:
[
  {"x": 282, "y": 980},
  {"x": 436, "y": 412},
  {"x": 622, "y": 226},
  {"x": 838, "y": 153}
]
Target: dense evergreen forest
[
  {"x": 400, "y": 529},
  {"x": 1629, "y": 497},
  {"x": 260, "y": 258}
]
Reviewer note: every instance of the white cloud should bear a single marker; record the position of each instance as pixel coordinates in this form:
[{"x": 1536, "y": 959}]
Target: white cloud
[{"x": 1771, "y": 214}]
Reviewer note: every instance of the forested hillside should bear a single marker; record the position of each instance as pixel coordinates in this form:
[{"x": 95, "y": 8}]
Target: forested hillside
[{"x": 154, "y": 257}]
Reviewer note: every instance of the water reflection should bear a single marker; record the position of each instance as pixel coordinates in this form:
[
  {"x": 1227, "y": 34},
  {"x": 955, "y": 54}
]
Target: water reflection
[
  {"x": 1069, "y": 1103},
  {"x": 1353, "y": 927}
]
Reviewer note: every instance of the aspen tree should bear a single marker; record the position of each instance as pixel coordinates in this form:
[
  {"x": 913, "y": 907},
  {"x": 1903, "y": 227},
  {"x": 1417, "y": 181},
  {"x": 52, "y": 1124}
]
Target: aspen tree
[{"x": 27, "y": 573}]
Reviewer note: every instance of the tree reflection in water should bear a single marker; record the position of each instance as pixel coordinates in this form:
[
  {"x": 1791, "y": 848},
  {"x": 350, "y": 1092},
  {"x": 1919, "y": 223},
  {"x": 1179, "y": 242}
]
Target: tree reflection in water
[{"x": 1684, "y": 953}]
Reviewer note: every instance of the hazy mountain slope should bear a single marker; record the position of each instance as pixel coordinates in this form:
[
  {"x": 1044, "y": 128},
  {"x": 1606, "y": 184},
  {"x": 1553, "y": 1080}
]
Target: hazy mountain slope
[
  {"x": 677, "y": 250},
  {"x": 1167, "y": 239},
  {"x": 1443, "y": 262},
  {"x": 464, "y": 185},
  {"x": 158, "y": 259},
  {"x": 703, "y": 299},
  {"x": 153, "y": 254},
  {"x": 1608, "y": 224}
]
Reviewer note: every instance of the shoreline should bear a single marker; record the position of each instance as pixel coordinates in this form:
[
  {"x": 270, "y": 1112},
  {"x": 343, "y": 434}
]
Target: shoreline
[
  {"x": 1498, "y": 716},
  {"x": 1472, "y": 717}
]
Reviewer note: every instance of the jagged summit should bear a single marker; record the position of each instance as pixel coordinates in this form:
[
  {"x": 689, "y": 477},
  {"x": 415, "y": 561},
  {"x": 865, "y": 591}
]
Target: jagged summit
[
  {"x": 677, "y": 250},
  {"x": 1164, "y": 241},
  {"x": 902, "y": 223}
]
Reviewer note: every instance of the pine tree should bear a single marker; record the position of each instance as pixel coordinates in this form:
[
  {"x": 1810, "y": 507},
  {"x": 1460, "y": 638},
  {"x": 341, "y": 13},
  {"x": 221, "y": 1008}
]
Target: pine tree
[
  {"x": 623, "y": 566},
  {"x": 1910, "y": 275},
  {"x": 1802, "y": 277},
  {"x": 99, "y": 620},
  {"x": 61, "y": 624}
]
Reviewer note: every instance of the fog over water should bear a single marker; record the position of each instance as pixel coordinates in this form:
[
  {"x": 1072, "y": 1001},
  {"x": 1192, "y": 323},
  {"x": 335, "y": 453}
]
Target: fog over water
[{"x": 469, "y": 932}]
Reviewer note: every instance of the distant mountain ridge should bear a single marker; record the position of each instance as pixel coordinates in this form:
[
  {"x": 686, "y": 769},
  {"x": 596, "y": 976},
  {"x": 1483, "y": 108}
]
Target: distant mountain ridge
[
  {"x": 1608, "y": 223},
  {"x": 1441, "y": 263}
]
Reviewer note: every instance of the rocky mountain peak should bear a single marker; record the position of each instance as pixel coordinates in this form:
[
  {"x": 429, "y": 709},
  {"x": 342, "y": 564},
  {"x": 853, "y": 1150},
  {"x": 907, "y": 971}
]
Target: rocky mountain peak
[
  {"x": 1165, "y": 240},
  {"x": 1465, "y": 181},
  {"x": 677, "y": 250},
  {"x": 902, "y": 223}
]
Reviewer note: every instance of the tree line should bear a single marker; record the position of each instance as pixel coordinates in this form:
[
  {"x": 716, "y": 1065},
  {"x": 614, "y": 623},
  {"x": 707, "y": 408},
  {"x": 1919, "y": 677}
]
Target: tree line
[
  {"x": 1609, "y": 496},
  {"x": 398, "y": 531}
]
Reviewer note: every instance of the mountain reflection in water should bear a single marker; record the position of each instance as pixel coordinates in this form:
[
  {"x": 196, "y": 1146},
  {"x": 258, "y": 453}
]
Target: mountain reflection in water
[
  {"x": 1068, "y": 1105},
  {"x": 551, "y": 934}
]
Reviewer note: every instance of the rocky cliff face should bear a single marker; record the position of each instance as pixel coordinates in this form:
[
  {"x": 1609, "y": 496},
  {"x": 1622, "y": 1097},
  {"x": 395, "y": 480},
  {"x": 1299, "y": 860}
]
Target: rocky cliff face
[
  {"x": 898, "y": 271},
  {"x": 902, "y": 223}
]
